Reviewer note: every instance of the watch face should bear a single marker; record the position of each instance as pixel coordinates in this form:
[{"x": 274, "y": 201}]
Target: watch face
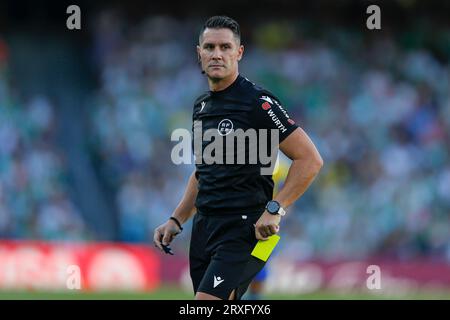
[{"x": 273, "y": 207}]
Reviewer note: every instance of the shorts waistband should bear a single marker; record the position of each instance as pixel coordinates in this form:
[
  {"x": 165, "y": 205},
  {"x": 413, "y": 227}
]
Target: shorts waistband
[{"x": 234, "y": 214}]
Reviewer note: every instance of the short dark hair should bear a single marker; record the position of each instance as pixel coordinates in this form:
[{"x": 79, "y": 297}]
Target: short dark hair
[{"x": 219, "y": 22}]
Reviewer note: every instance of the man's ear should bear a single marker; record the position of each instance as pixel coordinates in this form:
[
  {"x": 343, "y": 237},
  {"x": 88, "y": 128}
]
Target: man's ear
[
  {"x": 240, "y": 52},
  {"x": 198, "y": 54}
]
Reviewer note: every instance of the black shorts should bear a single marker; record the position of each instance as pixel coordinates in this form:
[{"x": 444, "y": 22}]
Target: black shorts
[{"x": 220, "y": 254}]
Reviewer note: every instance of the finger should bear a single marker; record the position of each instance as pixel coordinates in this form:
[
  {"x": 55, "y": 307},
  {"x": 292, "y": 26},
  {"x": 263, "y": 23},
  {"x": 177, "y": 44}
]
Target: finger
[
  {"x": 273, "y": 229},
  {"x": 267, "y": 232},
  {"x": 167, "y": 238},
  {"x": 263, "y": 233},
  {"x": 156, "y": 239},
  {"x": 259, "y": 236}
]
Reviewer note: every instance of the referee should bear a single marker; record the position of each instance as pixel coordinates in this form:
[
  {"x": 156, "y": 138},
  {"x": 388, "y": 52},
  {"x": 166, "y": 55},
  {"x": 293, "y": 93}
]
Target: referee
[{"x": 233, "y": 204}]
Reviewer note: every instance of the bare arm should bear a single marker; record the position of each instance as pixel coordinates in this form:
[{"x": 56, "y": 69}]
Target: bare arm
[
  {"x": 186, "y": 207},
  {"x": 306, "y": 164},
  {"x": 166, "y": 232}
]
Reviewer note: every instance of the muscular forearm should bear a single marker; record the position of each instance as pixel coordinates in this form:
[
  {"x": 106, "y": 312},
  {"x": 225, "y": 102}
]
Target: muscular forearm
[
  {"x": 300, "y": 176},
  {"x": 186, "y": 207}
]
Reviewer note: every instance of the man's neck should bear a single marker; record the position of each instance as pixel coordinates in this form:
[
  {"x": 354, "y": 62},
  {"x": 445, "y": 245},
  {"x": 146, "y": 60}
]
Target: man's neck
[{"x": 223, "y": 83}]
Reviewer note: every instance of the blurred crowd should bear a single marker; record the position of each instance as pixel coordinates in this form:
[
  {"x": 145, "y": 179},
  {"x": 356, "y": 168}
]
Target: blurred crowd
[
  {"x": 34, "y": 201},
  {"x": 376, "y": 106}
]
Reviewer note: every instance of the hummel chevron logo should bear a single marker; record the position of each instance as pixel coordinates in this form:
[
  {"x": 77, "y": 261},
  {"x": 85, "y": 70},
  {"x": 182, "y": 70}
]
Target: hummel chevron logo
[
  {"x": 217, "y": 281},
  {"x": 266, "y": 98}
]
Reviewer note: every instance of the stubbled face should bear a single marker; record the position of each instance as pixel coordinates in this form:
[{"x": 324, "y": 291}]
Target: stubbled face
[{"x": 219, "y": 52}]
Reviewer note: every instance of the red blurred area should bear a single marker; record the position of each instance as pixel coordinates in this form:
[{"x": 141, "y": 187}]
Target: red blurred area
[{"x": 36, "y": 265}]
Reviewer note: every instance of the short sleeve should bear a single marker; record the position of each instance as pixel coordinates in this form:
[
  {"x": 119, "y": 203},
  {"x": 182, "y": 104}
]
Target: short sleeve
[{"x": 270, "y": 114}]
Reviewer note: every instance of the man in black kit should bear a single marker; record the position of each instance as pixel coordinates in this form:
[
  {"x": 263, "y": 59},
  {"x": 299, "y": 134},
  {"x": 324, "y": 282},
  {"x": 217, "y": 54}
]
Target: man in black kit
[{"x": 232, "y": 203}]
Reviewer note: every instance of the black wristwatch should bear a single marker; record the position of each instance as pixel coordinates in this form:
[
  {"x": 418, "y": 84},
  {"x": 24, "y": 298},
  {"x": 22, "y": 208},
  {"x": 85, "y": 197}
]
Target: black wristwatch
[{"x": 274, "y": 207}]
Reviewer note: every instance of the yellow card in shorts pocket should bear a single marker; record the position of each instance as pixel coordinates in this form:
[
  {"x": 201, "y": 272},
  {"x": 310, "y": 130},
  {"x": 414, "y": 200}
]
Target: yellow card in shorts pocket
[{"x": 264, "y": 248}]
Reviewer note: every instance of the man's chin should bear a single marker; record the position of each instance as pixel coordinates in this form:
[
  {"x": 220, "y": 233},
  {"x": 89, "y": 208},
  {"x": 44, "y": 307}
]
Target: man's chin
[{"x": 213, "y": 76}]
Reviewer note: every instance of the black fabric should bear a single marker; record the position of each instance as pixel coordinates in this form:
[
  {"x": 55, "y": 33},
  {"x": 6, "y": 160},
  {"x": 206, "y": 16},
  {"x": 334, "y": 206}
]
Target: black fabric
[
  {"x": 237, "y": 188},
  {"x": 220, "y": 254}
]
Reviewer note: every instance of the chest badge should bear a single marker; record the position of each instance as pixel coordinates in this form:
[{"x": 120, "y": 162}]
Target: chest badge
[{"x": 225, "y": 127}]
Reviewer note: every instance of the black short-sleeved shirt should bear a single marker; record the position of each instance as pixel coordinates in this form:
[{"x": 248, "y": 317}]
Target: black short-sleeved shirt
[{"x": 231, "y": 187}]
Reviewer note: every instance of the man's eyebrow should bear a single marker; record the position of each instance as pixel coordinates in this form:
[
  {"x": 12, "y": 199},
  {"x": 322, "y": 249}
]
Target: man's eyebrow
[{"x": 220, "y": 43}]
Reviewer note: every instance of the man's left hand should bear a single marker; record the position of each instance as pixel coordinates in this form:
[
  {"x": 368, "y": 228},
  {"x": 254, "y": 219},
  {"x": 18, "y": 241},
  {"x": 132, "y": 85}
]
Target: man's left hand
[{"x": 267, "y": 225}]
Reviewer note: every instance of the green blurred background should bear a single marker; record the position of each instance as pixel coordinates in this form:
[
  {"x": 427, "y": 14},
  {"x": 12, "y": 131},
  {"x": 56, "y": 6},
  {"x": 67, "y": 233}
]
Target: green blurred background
[{"x": 86, "y": 117}]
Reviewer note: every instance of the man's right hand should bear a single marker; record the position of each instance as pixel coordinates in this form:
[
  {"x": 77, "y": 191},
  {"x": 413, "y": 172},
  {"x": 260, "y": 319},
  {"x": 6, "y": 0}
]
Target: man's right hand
[{"x": 165, "y": 233}]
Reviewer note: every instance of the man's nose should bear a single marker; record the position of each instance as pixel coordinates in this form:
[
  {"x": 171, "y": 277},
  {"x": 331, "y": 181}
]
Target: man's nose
[{"x": 217, "y": 54}]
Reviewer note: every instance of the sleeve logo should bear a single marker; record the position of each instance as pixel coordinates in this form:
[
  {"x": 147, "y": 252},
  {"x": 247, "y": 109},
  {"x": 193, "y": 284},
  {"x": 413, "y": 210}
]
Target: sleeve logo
[{"x": 265, "y": 106}]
